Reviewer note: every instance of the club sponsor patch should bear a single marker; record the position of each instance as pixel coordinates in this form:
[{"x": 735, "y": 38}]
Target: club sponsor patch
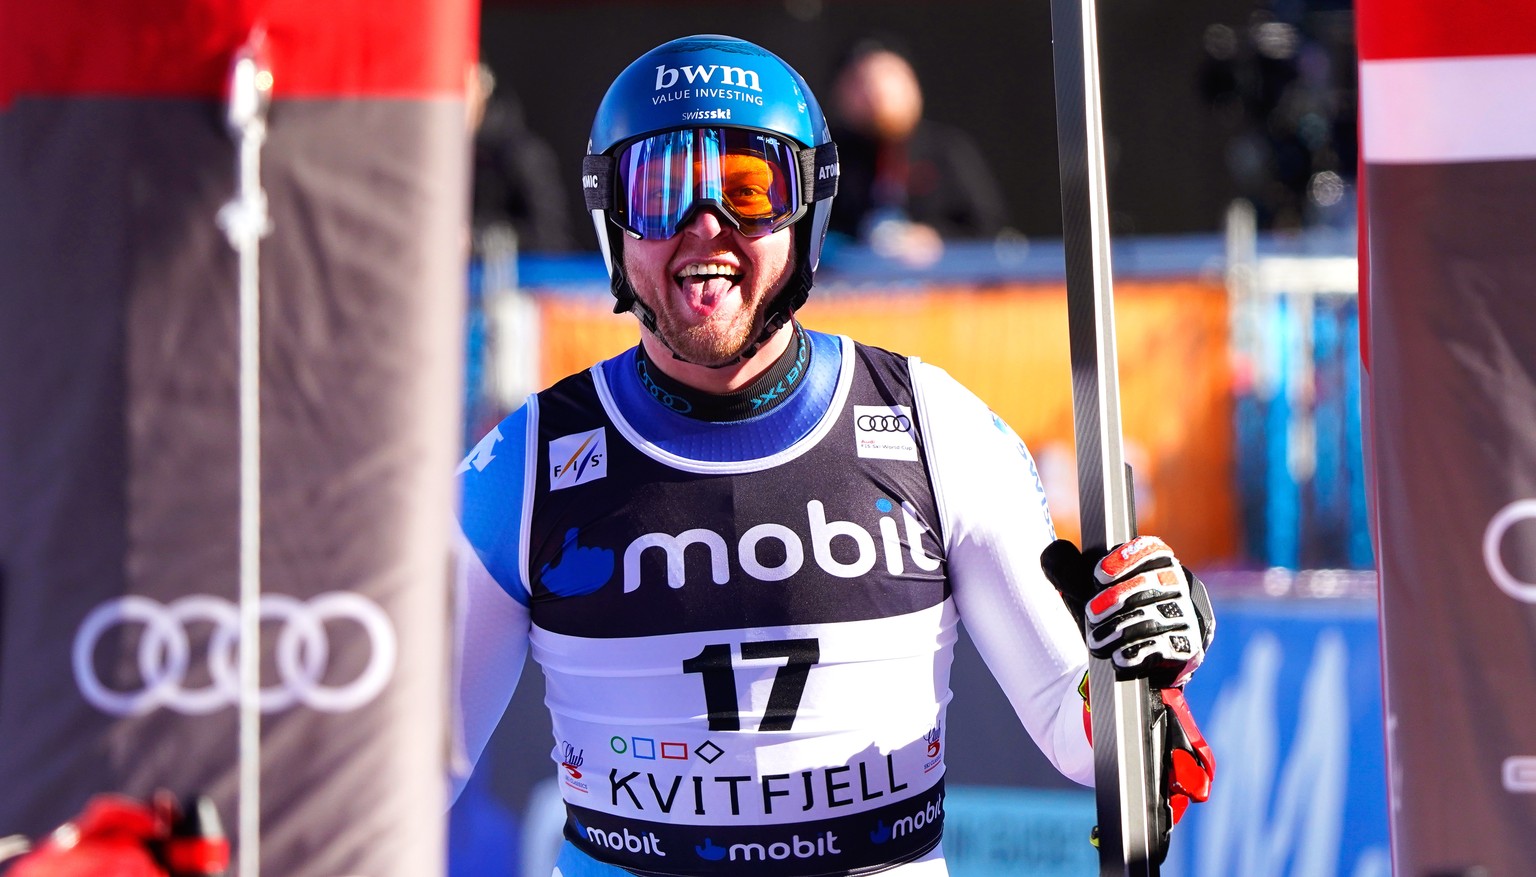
[
  {"x": 884, "y": 432},
  {"x": 578, "y": 458}
]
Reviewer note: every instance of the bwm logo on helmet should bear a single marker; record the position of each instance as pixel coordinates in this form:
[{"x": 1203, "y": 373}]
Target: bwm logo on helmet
[
  {"x": 884, "y": 432},
  {"x": 740, "y": 77},
  {"x": 791, "y": 547},
  {"x": 302, "y": 653}
]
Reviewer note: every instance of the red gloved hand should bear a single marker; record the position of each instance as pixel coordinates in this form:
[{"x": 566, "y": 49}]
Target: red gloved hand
[
  {"x": 120, "y": 836},
  {"x": 111, "y": 836},
  {"x": 1189, "y": 765}
]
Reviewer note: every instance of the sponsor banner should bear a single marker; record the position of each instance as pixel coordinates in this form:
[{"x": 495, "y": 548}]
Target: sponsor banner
[
  {"x": 1451, "y": 204},
  {"x": 1415, "y": 111},
  {"x": 1000, "y": 831},
  {"x": 1454, "y": 445},
  {"x": 119, "y": 441},
  {"x": 893, "y": 833},
  {"x": 1389, "y": 29},
  {"x": 182, "y": 48},
  {"x": 1290, "y": 700}
]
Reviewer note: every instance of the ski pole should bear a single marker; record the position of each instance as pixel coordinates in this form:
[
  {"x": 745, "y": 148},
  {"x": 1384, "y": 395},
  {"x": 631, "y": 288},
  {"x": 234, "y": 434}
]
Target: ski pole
[
  {"x": 1131, "y": 840},
  {"x": 245, "y": 222}
]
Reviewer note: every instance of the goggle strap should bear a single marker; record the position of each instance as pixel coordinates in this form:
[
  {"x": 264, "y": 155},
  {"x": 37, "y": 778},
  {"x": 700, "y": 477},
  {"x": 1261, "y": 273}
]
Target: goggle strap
[
  {"x": 818, "y": 172},
  {"x": 597, "y": 181}
]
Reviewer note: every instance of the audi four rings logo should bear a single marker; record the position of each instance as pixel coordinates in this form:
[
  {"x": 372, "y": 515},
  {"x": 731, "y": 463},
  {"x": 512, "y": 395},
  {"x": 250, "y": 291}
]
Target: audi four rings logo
[
  {"x": 883, "y": 423},
  {"x": 1493, "y": 543},
  {"x": 302, "y": 653}
]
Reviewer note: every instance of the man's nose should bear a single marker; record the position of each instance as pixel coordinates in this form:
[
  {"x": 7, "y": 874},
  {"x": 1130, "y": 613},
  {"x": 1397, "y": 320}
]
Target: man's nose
[{"x": 705, "y": 223}]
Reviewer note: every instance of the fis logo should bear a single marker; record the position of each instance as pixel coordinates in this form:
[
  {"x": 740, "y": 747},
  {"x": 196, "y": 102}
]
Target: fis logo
[{"x": 578, "y": 458}]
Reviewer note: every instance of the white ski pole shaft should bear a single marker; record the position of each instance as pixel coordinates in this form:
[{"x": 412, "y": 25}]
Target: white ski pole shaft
[{"x": 245, "y": 221}]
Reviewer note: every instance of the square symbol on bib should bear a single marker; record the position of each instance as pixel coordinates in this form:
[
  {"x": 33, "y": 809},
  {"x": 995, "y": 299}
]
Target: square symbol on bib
[
  {"x": 578, "y": 458},
  {"x": 884, "y": 432}
]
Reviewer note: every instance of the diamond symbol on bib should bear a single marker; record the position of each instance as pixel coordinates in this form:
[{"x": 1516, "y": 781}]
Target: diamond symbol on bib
[{"x": 708, "y": 751}]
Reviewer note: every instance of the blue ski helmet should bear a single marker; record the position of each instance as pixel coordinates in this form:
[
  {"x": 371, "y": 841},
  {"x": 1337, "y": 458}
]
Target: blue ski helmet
[{"x": 727, "y": 89}]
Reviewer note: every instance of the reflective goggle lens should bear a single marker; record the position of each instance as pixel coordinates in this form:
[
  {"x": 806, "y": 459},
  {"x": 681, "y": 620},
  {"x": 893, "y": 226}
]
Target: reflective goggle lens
[{"x": 752, "y": 178}]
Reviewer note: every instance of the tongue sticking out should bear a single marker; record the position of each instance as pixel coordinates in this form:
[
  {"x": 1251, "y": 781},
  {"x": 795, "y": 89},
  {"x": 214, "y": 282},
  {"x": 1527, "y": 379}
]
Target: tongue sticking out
[{"x": 704, "y": 294}]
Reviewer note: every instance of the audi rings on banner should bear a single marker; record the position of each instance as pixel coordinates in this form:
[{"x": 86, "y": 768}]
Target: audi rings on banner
[
  {"x": 883, "y": 423},
  {"x": 302, "y": 653},
  {"x": 1493, "y": 549}
]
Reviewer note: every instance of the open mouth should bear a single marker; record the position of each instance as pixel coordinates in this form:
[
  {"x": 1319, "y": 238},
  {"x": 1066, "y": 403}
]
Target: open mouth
[
  {"x": 704, "y": 284},
  {"x": 708, "y": 271}
]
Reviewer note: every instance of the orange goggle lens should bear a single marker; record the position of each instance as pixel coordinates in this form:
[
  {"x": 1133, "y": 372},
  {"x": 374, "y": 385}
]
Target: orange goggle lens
[{"x": 751, "y": 177}]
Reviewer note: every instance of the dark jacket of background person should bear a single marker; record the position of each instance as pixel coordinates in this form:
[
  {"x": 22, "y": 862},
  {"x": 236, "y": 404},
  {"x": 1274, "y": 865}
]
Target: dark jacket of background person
[
  {"x": 936, "y": 177},
  {"x": 517, "y": 181},
  {"x": 898, "y": 165}
]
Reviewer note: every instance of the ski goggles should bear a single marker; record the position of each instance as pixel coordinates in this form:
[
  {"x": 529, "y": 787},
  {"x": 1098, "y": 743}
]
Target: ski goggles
[{"x": 759, "y": 182}]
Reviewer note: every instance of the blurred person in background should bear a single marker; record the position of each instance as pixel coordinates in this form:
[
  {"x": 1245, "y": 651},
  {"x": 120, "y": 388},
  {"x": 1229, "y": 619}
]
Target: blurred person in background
[
  {"x": 1283, "y": 89},
  {"x": 517, "y": 205},
  {"x": 740, "y": 549},
  {"x": 908, "y": 182},
  {"x": 516, "y": 179}
]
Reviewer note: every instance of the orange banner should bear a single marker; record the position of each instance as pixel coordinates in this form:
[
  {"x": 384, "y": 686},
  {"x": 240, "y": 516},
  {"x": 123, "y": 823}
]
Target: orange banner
[{"x": 1009, "y": 345}]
